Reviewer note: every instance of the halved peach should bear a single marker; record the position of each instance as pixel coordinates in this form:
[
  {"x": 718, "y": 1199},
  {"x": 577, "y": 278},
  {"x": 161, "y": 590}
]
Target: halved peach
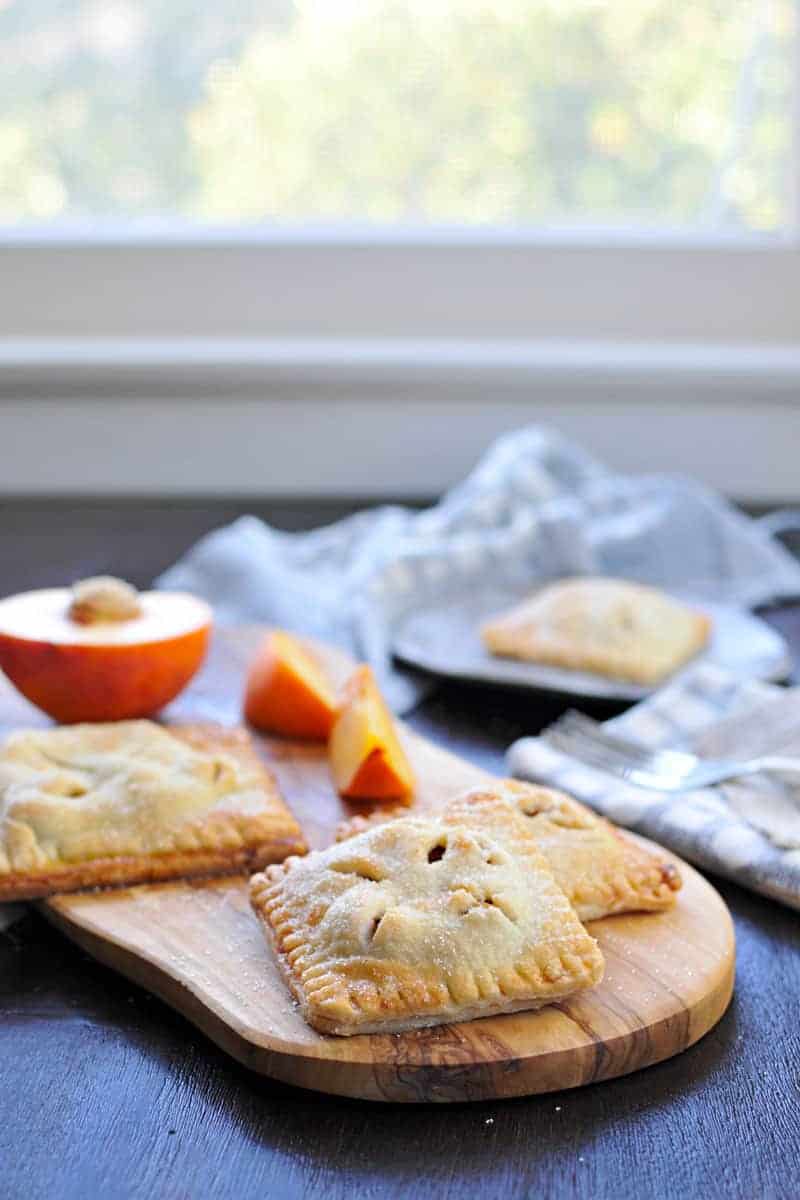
[
  {"x": 287, "y": 691},
  {"x": 102, "y": 651},
  {"x": 366, "y": 758}
]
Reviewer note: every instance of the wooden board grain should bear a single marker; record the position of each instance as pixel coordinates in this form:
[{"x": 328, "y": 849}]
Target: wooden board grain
[{"x": 669, "y": 976}]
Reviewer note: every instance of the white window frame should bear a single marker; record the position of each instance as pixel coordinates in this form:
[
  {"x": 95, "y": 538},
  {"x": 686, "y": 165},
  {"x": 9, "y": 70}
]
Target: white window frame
[
  {"x": 644, "y": 345},
  {"x": 369, "y": 282},
  {"x": 282, "y": 360}
]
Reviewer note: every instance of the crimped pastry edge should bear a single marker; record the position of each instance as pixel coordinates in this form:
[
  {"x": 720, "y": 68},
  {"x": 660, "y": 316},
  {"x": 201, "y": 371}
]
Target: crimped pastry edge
[
  {"x": 122, "y": 870},
  {"x": 264, "y": 899}
]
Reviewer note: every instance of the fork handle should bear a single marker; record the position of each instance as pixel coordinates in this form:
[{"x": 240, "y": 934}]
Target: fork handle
[{"x": 774, "y": 763}]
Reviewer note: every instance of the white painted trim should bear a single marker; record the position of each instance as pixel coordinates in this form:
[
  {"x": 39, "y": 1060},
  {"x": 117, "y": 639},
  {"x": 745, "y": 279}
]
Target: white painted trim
[
  {"x": 166, "y": 233},
  {"x": 486, "y": 286},
  {"x": 299, "y": 447},
  {"x": 192, "y": 367},
  {"x": 328, "y": 418}
]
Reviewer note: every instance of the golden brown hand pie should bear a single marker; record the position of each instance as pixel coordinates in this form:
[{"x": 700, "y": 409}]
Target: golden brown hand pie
[
  {"x": 130, "y": 802},
  {"x": 600, "y": 870},
  {"x": 605, "y": 626},
  {"x": 423, "y": 921}
]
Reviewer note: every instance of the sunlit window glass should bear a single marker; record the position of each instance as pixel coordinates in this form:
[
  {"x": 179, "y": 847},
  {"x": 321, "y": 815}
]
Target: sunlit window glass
[{"x": 660, "y": 113}]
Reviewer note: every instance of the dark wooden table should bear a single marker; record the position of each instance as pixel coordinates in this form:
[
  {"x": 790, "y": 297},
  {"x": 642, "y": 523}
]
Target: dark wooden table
[{"x": 105, "y": 1092}]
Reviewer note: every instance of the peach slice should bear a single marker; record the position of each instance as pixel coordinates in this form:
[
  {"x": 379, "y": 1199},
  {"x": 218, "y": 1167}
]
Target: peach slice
[
  {"x": 102, "y": 651},
  {"x": 287, "y": 690},
  {"x": 366, "y": 758}
]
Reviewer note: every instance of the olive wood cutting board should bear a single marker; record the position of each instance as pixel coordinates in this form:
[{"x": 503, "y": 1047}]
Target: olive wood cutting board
[{"x": 669, "y": 976}]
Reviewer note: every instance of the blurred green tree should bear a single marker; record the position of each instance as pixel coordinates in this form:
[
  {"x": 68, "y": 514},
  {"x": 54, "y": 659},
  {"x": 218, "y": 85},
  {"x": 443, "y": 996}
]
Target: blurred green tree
[{"x": 469, "y": 111}]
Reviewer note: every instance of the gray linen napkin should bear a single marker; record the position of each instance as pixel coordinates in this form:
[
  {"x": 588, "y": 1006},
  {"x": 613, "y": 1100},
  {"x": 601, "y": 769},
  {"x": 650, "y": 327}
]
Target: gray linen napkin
[
  {"x": 748, "y": 831},
  {"x": 535, "y": 507}
]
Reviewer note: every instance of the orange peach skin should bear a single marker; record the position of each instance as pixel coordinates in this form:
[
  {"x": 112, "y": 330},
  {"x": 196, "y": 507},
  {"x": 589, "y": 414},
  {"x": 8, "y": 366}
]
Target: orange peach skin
[
  {"x": 287, "y": 692},
  {"x": 85, "y": 682},
  {"x": 366, "y": 758}
]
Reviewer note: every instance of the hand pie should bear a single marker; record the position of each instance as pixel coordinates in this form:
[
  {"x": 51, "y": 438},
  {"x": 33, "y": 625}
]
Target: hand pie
[
  {"x": 132, "y": 802},
  {"x": 601, "y": 871},
  {"x": 606, "y": 626},
  {"x": 425, "y": 921}
]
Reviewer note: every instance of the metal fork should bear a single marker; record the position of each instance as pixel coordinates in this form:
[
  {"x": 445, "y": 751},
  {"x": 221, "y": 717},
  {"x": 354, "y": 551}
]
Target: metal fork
[{"x": 663, "y": 770}]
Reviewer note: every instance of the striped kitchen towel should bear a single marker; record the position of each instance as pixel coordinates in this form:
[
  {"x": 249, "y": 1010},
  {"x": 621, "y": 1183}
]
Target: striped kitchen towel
[{"x": 748, "y": 831}]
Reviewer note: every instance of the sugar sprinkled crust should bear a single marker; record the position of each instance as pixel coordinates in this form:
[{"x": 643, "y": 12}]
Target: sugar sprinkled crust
[
  {"x": 601, "y": 871},
  {"x": 423, "y": 921},
  {"x": 132, "y": 801},
  {"x": 609, "y": 627}
]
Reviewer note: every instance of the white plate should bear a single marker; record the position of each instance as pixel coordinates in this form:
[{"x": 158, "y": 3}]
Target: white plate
[{"x": 445, "y": 641}]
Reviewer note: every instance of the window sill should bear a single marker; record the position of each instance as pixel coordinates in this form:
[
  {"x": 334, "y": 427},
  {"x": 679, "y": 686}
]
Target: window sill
[{"x": 265, "y": 367}]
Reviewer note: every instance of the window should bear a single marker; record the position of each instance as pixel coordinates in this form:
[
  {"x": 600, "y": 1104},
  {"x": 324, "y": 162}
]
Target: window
[
  {"x": 582, "y": 211},
  {"x": 524, "y": 113}
]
